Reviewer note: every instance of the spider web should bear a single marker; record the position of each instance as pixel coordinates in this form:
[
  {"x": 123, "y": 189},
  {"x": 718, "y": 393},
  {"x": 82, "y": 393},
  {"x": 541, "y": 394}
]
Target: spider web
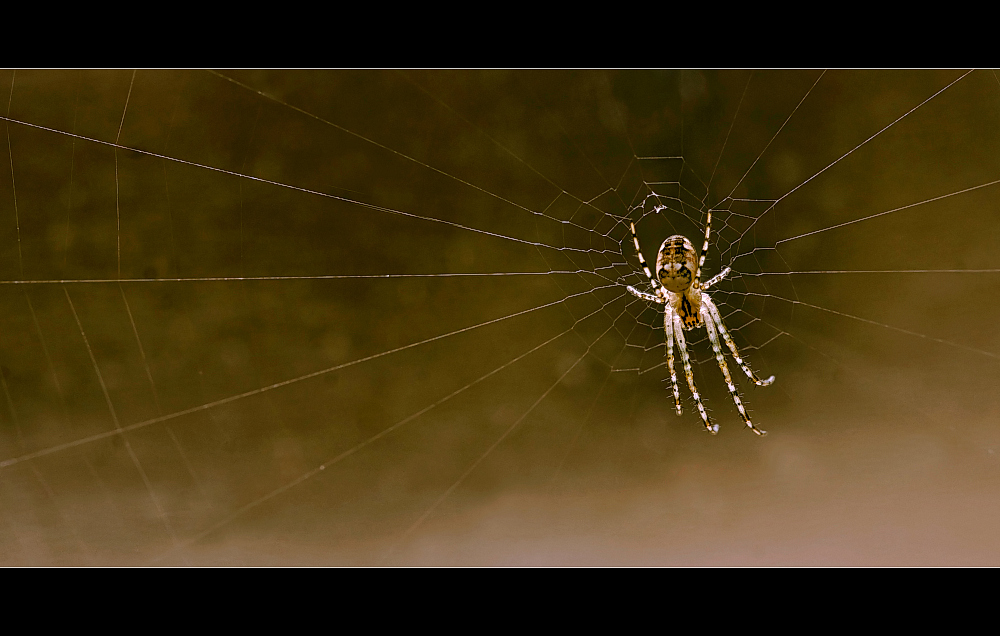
[{"x": 368, "y": 317}]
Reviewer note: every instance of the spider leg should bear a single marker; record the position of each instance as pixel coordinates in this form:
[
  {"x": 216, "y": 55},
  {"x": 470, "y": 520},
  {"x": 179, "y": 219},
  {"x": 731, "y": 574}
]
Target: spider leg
[
  {"x": 704, "y": 248},
  {"x": 713, "y": 280},
  {"x": 668, "y": 326},
  {"x": 679, "y": 334},
  {"x": 644, "y": 295},
  {"x": 638, "y": 252},
  {"x": 714, "y": 337},
  {"x": 717, "y": 319}
]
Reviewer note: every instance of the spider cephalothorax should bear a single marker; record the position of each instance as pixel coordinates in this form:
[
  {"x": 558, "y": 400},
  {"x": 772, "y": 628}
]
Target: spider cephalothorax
[{"x": 687, "y": 305}]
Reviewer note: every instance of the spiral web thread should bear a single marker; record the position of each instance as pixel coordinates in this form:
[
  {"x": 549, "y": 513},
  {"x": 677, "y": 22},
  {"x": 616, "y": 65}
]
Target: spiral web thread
[{"x": 579, "y": 245}]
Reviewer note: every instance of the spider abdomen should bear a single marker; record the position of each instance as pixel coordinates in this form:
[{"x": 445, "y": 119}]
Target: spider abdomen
[{"x": 676, "y": 264}]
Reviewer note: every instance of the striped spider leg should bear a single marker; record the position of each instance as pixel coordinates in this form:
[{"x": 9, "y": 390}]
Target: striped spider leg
[
  {"x": 688, "y": 306},
  {"x": 713, "y": 311},
  {"x": 668, "y": 327}
]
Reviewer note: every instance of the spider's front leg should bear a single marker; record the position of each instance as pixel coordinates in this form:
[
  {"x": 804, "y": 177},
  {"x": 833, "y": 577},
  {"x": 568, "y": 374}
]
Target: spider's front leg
[
  {"x": 707, "y": 317},
  {"x": 682, "y": 345},
  {"x": 668, "y": 326},
  {"x": 713, "y": 313}
]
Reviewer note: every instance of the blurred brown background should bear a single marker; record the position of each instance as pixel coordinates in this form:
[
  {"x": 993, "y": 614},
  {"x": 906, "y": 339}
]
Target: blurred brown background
[{"x": 176, "y": 419}]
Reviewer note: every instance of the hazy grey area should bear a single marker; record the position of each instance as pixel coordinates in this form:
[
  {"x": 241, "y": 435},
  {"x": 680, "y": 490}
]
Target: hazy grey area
[{"x": 201, "y": 364}]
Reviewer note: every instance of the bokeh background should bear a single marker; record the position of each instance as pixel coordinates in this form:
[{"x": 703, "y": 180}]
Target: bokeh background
[{"x": 379, "y": 317}]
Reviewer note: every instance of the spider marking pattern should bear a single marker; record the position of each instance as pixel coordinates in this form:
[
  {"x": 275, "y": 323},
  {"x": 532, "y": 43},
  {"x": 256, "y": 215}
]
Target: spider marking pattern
[{"x": 678, "y": 287}]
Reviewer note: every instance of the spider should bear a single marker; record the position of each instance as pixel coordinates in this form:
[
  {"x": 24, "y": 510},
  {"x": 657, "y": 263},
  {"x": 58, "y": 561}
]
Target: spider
[{"x": 687, "y": 305}]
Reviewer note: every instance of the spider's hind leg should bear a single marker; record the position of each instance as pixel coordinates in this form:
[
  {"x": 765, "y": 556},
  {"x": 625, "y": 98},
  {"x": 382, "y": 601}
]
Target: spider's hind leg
[
  {"x": 704, "y": 248},
  {"x": 657, "y": 289}
]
